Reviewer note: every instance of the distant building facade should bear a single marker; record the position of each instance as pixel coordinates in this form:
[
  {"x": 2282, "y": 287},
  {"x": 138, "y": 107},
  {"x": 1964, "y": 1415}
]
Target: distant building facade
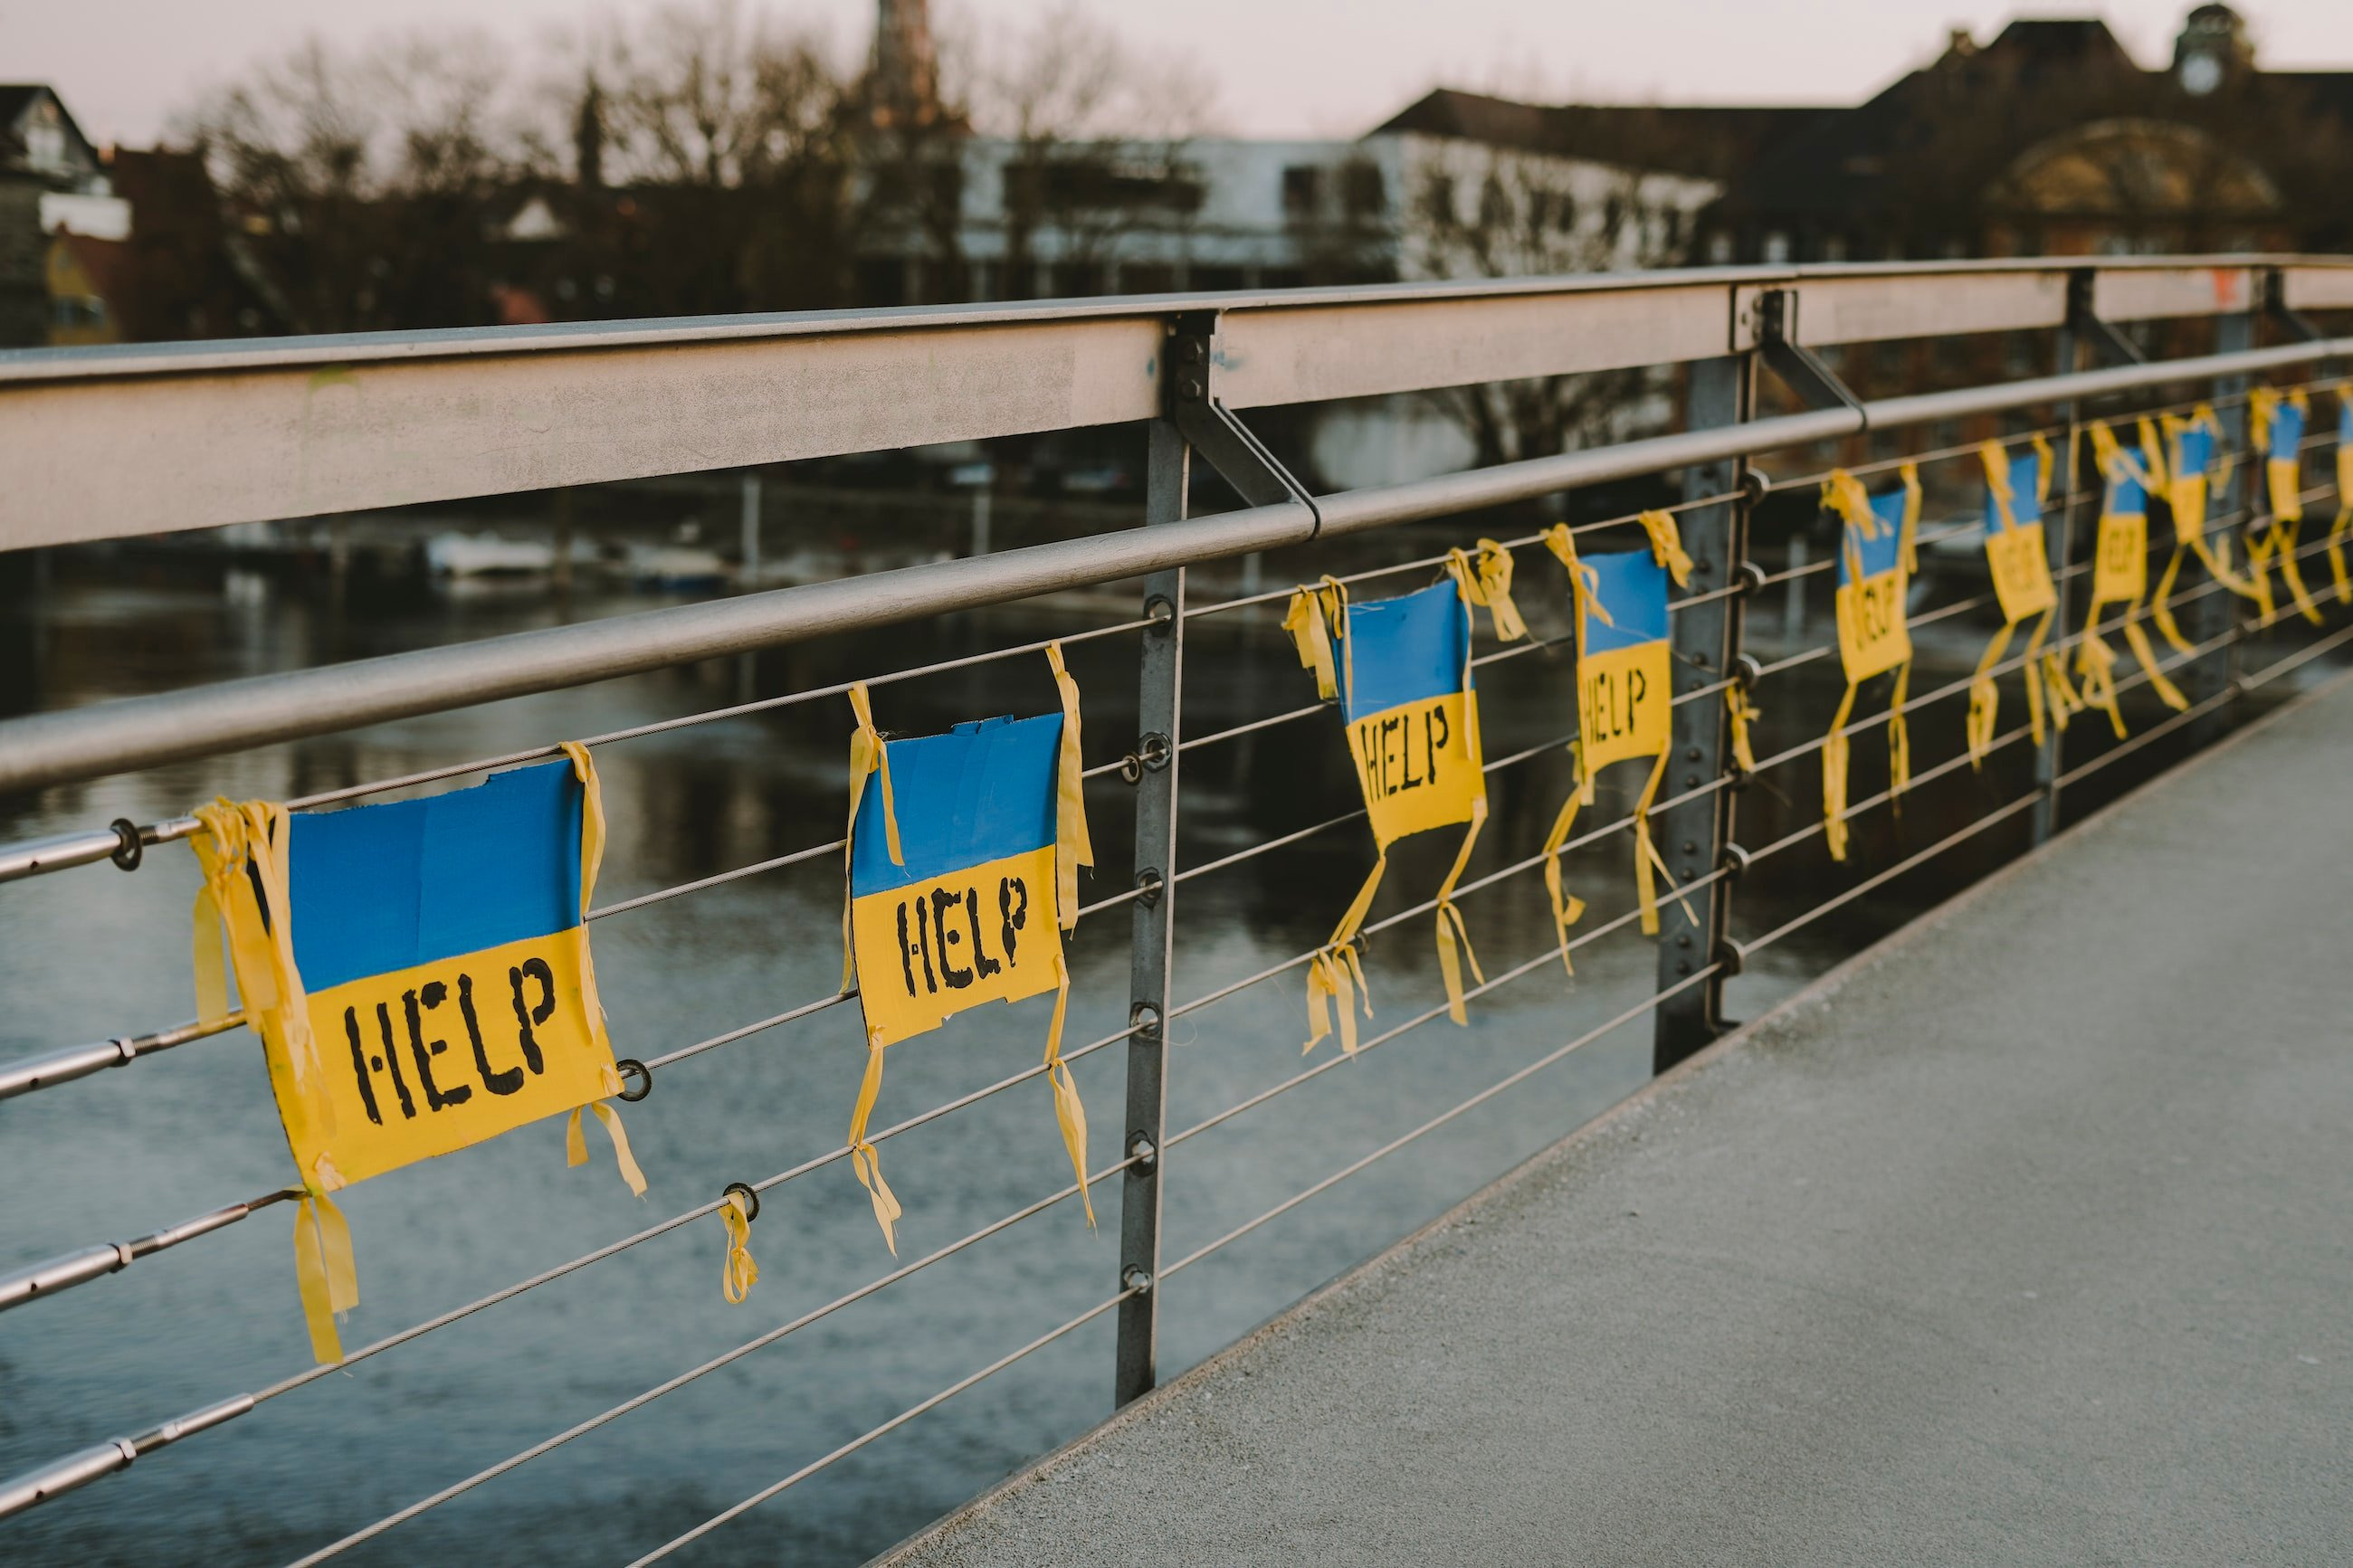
[{"x": 54, "y": 192}]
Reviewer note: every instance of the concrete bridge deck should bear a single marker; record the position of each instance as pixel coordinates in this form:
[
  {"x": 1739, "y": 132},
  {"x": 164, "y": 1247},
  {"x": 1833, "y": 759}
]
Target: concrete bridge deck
[{"x": 2025, "y": 1236}]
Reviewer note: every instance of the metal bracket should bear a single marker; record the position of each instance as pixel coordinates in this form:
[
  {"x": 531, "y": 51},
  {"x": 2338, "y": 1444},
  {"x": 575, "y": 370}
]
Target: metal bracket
[
  {"x": 1800, "y": 370},
  {"x": 2293, "y": 323},
  {"x": 1190, "y": 395},
  {"x": 2109, "y": 345}
]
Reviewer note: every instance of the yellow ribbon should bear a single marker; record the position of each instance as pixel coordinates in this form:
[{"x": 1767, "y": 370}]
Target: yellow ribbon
[
  {"x": 1335, "y": 973},
  {"x": 868, "y": 754},
  {"x": 1834, "y": 766},
  {"x": 1985, "y": 697},
  {"x": 1074, "y": 846},
  {"x": 1565, "y": 909},
  {"x": 1487, "y": 584},
  {"x": 1318, "y": 616},
  {"x": 1742, "y": 713},
  {"x": 1067, "y": 1110},
  {"x": 323, "y": 1271},
  {"x": 1648, "y": 862},
  {"x": 1667, "y": 545},
  {"x": 241, "y": 847},
  {"x": 737, "y": 1271},
  {"x": 592, "y": 861}
]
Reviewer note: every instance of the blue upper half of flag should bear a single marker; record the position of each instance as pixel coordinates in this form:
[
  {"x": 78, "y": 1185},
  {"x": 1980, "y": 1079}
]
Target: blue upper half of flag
[
  {"x": 2126, "y": 494},
  {"x": 2287, "y": 433},
  {"x": 985, "y": 791},
  {"x": 2025, "y": 494},
  {"x": 378, "y": 889},
  {"x": 1405, "y": 649},
  {"x": 1879, "y": 555},
  {"x": 1632, "y": 587},
  {"x": 2193, "y": 451}
]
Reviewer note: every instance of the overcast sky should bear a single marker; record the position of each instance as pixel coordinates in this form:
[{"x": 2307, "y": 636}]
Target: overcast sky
[{"x": 1316, "y": 68}]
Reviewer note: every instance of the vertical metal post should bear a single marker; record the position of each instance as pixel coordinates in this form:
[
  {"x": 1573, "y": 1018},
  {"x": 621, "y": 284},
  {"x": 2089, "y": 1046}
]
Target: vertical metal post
[
  {"x": 1159, "y": 704},
  {"x": 2058, "y": 546},
  {"x": 1704, "y": 638},
  {"x": 2214, "y": 613}
]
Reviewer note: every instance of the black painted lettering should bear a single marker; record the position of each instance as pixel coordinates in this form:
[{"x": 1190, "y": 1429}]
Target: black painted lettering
[
  {"x": 1407, "y": 777},
  {"x": 906, "y": 951},
  {"x": 1637, "y": 686},
  {"x": 505, "y": 1082},
  {"x": 924, "y": 946},
  {"x": 1014, "y": 914},
  {"x": 980, "y": 959},
  {"x": 1390, "y": 729},
  {"x": 359, "y": 1064},
  {"x": 536, "y": 968},
  {"x": 392, "y": 1060},
  {"x": 943, "y": 899},
  {"x": 422, "y": 1052}
]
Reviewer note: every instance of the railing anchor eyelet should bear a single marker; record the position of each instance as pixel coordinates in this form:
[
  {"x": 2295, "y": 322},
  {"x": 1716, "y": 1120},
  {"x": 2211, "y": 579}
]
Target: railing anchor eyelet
[
  {"x": 629, "y": 1066},
  {"x": 130, "y": 848},
  {"x": 1149, "y": 885},
  {"x": 1151, "y": 754},
  {"x": 751, "y": 1199}
]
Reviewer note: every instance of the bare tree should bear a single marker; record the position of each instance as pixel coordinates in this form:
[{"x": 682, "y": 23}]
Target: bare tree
[
  {"x": 357, "y": 180},
  {"x": 1496, "y": 212}
]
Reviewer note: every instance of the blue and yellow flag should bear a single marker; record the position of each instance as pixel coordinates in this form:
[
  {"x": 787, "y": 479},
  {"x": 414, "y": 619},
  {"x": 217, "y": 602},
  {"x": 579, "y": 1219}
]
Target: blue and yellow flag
[
  {"x": 2129, "y": 475},
  {"x": 2016, "y": 488},
  {"x": 1400, "y": 670},
  {"x": 1876, "y": 563},
  {"x": 1625, "y": 694},
  {"x": 2344, "y": 524},
  {"x": 963, "y": 866},
  {"x": 2279, "y": 421},
  {"x": 419, "y": 975},
  {"x": 2197, "y": 464}
]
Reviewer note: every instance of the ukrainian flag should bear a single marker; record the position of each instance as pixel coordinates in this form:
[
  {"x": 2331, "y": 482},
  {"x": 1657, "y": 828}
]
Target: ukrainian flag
[
  {"x": 2013, "y": 525},
  {"x": 1413, "y": 728},
  {"x": 419, "y": 975},
  {"x": 967, "y": 915},
  {"x": 1873, "y": 570},
  {"x": 963, "y": 875},
  {"x": 1625, "y": 679}
]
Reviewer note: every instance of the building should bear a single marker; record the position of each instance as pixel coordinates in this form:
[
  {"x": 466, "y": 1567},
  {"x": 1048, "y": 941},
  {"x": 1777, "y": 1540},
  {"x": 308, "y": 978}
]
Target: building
[
  {"x": 53, "y": 193},
  {"x": 2050, "y": 140}
]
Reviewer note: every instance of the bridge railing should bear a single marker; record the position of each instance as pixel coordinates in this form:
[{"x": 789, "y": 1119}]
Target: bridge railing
[{"x": 239, "y": 432}]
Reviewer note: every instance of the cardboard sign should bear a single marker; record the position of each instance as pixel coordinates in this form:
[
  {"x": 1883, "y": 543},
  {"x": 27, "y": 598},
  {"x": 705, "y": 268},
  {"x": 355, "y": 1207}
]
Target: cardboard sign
[
  {"x": 971, "y": 915},
  {"x": 1874, "y": 585},
  {"x": 1625, "y": 677},
  {"x": 1412, "y": 718},
  {"x": 2120, "y": 564},
  {"x": 2014, "y": 545}
]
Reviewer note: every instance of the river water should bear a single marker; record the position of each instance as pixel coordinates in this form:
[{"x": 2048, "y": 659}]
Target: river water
[{"x": 92, "y": 952}]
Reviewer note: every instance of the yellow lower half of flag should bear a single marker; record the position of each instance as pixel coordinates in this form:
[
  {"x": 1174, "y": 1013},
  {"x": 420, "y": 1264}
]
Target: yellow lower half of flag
[
  {"x": 1419, "y": 765},
  {"x": 1623, "y": 699},
  {"x": 2022, "y": 572},
  {"x": 928, "y": 951},
  {"x": 1873, "y": 634},
  {"x": 425, "y": 1060},
  {"x": 2120, "y": 569}
]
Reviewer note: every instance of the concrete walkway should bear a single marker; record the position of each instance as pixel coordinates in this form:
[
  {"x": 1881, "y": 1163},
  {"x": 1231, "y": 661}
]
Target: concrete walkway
[{"x": 2025, "y": 1238}]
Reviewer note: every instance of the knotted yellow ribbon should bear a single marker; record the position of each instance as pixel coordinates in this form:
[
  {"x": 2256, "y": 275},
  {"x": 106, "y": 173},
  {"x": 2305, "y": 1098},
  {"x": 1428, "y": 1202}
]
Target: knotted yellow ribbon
[
  {"x": 247, "y": 902},
  {"x": 1834, "y": 764},
  {"x": 1317, "y": 617},
  {"x": 1073, "y": 848},
  {"x": 1742, "y": 713},
  {"x": 737, "y": 1271},
  {"x": 1488, "y": 586},
  {"x": 1567, "y": 908},
  {"x": 1649, "y": 866},
  {"x": 324, "y": 1272},
  {"x": 1335, "y": 974},
  {"x": 592, "y": 861},
  {"x": 868, "y": 754},
  {"x": 1667, "y": 545}
]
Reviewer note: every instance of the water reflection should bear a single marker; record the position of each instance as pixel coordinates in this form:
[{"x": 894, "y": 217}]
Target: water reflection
[{"x": 93, "y": 952}]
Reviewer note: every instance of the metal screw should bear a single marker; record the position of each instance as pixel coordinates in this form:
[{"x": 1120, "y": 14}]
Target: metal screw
[
  {"x": 1136, "y": 1277},
  {"x": 1691, "y": 846},
  {"x": 1683, "y": 966},
  {"x": 1691, "y": 754},
  {"x": 1690, "y": 781},
  {"x": 1188, "y": 387},
  {"x": 1682, "y": 939}
]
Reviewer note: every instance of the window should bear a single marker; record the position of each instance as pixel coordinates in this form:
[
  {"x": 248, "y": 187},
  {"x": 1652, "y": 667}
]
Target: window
[
  {"x": 1776, "y": 248},
  {"x": 1363, "y": 190},
  {"x": 1303, "y": 190}
]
